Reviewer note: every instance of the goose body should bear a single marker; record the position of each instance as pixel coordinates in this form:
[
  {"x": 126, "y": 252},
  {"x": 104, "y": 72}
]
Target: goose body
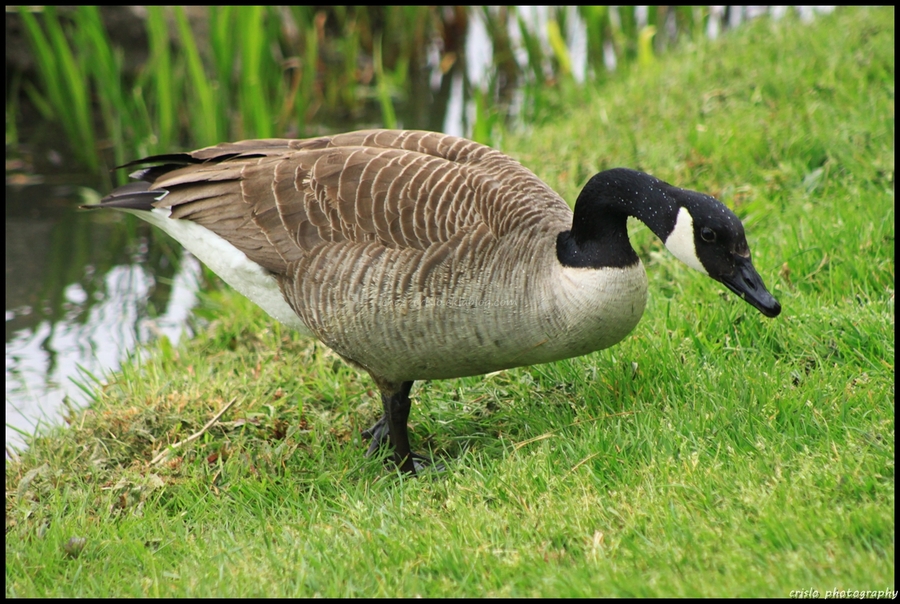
[{"x": 416, "y": 255}]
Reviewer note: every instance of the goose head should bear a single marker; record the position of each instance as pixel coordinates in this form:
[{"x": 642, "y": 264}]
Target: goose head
[{"x": 696, "y": 228}]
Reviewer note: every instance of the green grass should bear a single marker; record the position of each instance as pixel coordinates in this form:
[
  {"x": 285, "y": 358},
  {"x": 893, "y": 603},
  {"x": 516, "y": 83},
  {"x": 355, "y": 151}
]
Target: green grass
[
  {"x": 239, "y": 72},
  {"x": 712, "y": 453}
]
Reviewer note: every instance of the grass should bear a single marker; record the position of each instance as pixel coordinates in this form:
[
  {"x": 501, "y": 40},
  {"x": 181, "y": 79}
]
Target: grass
[
  {"x": 712, "y": 453},
  {"x": 257, "y": 72}
]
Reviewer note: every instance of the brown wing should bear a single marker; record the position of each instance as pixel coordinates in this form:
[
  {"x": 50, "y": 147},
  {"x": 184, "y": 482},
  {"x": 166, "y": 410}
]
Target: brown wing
[{"x": 278, "y": 199}]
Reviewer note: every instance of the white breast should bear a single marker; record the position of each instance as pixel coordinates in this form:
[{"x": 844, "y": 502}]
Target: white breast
[{"x": 595, "y": 308}]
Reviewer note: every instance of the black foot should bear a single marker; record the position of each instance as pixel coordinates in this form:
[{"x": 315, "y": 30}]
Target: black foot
[
  {"x": 392, "y": 429},
  {"x": 423, "y": 464},
  {"x": 379, "y": 434}
]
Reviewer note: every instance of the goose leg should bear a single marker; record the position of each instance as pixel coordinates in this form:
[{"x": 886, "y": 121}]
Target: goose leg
[
  {"x": 392, "y": 426},
  {"x": 378, "y": 435}
]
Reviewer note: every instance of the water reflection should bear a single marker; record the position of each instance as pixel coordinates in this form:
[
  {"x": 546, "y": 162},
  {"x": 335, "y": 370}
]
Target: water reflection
[{"x": 46, "y": 360}]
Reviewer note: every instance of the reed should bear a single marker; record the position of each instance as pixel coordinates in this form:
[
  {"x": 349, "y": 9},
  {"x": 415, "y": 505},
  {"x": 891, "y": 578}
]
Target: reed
[
  {"x": 240, "y": 72},
  {"x": 207, "y": 116},
  {"x": 104, "y": 69},
  {"x": 64, "y": 94},
  {"x": 384, "y": 95},
  {"x": 163, "y": 76}
]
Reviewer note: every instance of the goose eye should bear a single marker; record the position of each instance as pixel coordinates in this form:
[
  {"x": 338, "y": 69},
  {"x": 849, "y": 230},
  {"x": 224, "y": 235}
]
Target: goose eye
[{"x": 707, "y": 234}]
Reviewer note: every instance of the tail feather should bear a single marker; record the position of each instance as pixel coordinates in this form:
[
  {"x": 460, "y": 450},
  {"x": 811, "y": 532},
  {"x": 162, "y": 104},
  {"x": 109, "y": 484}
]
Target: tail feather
[{"x": 133, "y": 196}]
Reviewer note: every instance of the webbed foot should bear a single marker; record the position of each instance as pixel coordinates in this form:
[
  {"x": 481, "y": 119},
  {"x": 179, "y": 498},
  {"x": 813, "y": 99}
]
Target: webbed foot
[{"x": 391, "y": 429}]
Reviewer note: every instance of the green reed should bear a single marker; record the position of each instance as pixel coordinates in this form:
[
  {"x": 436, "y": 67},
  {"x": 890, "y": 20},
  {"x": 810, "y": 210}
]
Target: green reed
[
  {"x": 64, "y": 94},
  {"x": 276, "y": 71}
]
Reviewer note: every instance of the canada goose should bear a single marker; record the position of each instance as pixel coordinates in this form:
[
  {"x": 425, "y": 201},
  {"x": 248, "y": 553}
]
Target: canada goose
[{"x": 417, "y": 255}]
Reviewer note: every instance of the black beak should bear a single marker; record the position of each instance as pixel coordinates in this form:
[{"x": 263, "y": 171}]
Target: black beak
[{"x": 747, "y": 283}]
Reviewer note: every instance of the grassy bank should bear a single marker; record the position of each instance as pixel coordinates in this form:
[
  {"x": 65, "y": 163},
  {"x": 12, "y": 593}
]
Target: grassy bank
[{"x": 713, "y": 452}]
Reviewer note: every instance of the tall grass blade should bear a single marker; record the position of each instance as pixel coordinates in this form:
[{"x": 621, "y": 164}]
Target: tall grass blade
[
  {"x": 105, "y": 68},
  {"x": 310, "y": 71},
  {"x": 254, "y": 104},
  {"x": 76, "y": 88},
  {"x": 223, "y": 52},
  {"x": 533, "y": 51},
  {"x": 163, "y": 76},
  {"x": 560, "y": 50},
  {"x": 12, "y": 110},
  {"x": 302, "y": 102},
  {"x": 65, "y": 85},
  {"x": 50, "y": 102},
  {"x": 204, "y": 111},
  {"x": 485, "y": 119},
  {"x": 645, "y": 45},
  {"x": 352, "y": 49},
  {"x": 388, "y": 117},
  {"x": 596, "y": 19}
]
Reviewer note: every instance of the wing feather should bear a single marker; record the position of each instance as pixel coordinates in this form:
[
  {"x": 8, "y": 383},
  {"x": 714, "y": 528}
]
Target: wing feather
[{"x": 279, "y": 200}]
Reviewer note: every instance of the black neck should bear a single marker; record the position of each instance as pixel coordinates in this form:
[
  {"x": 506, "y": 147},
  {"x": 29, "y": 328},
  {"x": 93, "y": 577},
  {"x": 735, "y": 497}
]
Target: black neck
[{"x": 599, "y": 234}]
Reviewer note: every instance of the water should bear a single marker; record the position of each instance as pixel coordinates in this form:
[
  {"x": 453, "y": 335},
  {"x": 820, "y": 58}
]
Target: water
[{"x": 65, "y": 319}]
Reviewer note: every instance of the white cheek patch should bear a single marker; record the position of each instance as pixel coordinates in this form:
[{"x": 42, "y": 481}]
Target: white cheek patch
[{"x": 681, "y": 241}]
